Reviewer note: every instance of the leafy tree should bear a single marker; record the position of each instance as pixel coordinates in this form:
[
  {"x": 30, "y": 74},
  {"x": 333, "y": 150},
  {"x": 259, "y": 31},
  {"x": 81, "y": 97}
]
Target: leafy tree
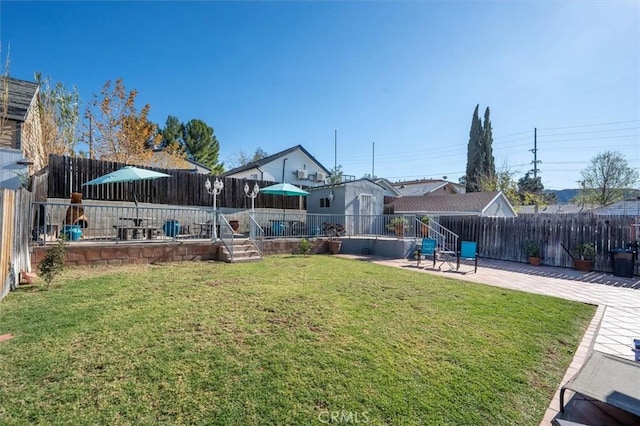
[
  {"x": 241, "y": 158},
  {"x": 606, "y": 179},
  {"x": 202, "y": 145},
  {"x": 480, "y": 162},
  {"x": 4, "y": 96},
  {"x": 530, "y": 190},
  {"x": 58, "y": 111},
  {"x": 172, "y": 132},
  {"x": 336, "y": 174},
  {"x": 259, "y": 154},
  {"x": 501, "y": 181},
  {"x": 122, "y": 133}
]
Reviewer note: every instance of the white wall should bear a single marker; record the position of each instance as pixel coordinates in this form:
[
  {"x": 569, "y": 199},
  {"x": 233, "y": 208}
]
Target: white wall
[
  {"x": 295, "y": 161},
  {"x": 11, "y": 173}
]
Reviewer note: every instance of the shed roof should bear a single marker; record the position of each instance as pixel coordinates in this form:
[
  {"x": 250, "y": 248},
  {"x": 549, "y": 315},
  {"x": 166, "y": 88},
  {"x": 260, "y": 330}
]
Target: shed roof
[
  {"x": 471, "y": 203},
  {"x": 21, "y": 94}
]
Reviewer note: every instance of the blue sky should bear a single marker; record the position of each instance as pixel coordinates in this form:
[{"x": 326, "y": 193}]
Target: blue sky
[{"x": 403, "y": 75}]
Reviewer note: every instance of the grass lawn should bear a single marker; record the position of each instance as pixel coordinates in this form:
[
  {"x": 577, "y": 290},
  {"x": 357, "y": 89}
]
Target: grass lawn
[{"x": 289, "y": 340}]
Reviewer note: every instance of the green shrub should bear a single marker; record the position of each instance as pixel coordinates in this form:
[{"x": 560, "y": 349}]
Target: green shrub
[{"x": 53, "y": 262}]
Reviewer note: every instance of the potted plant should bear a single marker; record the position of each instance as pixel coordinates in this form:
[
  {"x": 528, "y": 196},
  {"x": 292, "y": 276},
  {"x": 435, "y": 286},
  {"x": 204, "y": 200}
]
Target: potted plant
[
  {"x": 584, "y": 255},
  {"x": 333, "y": 231},
  {"x": 398, "y": 224},
  {"x": 532, "y": 248},
  {"x": 424, "y": 228}
]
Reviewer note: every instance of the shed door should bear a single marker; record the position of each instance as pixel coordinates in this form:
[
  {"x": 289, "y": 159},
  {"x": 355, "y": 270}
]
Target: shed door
[{"x": 365, "y": 210}]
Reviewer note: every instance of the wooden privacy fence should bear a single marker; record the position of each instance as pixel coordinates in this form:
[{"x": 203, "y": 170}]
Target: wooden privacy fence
[
  {"x": 503, "y": 238},
  {"x": 65, "y": 175},
  {"x": 14, "y": 237}
]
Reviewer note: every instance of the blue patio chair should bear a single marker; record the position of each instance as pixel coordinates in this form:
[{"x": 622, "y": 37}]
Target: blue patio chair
[
  {"x": 428, "y": 248},
  {"x": 468, "y": 252}
]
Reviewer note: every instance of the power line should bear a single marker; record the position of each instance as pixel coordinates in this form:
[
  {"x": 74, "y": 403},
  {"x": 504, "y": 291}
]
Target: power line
[
  {"x": 593, "y": 131},
  {"x": 591, "y": 125}
]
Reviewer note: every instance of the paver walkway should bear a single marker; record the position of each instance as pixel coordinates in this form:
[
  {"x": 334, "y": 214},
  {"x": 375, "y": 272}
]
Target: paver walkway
[{"x": 613, "y": 328}]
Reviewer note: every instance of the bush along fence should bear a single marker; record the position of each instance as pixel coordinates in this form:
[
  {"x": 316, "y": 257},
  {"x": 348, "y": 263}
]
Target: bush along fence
[{"x": 557, "y": 235}]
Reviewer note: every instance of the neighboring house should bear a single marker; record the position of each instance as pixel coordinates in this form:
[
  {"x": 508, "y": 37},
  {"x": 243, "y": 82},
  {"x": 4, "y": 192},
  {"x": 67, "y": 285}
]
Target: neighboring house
[
  {"x": 294, "y": 165},
  {"x": 355, "y": 197},
  {"x": 488, "y": 204},
  {"x": 626, "y": 207},
  {"x": 21, "y": 153},
  {"x": 389, "y": 190},
  {"x": 163, "y": 160},
  {"x": 554, "y": 209},
  {"x": 428, "y": 186}
]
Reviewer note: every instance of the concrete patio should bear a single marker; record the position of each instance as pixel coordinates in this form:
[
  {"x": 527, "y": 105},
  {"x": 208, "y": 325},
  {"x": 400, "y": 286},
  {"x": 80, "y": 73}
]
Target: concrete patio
[{"x": 612, "y": 330}]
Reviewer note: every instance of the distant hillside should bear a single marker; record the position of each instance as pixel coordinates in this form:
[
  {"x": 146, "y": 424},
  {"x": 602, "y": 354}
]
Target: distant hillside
[{"x": 564, "y": 195}]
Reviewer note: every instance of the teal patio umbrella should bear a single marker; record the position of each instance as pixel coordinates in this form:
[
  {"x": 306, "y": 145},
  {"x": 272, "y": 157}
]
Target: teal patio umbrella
[
  {"x": 286, "y": 190},
  {"x": 127, "y": 174}
]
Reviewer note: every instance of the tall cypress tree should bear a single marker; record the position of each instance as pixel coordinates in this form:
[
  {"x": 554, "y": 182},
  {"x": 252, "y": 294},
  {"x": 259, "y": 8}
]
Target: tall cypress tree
[
  {"x": 474, "y": 152},
  {"x": 488, "y": 165}
]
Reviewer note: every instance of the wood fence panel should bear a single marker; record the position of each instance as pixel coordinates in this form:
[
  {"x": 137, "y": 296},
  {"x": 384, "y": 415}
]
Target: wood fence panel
[
  {"x": 503, "y": 238},
  {"x": 185, "y": 188},
  {"x": 15, "y": 229},
  {"x": 7, "y": 203}
]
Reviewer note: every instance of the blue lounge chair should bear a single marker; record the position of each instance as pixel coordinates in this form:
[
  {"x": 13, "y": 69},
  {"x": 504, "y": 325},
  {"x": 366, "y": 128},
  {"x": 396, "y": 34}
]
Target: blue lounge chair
[
  {"x": 468, "y": 252},
  {"x": 428, "y": 248}
]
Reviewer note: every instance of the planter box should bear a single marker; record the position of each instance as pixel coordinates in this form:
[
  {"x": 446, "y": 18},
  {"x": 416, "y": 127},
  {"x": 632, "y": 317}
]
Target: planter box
[{"x": 583, "y": 265}]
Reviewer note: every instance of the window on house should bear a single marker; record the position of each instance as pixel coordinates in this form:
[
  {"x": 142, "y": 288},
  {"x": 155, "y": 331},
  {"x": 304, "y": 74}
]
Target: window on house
[{"x": 325, "y": 203}]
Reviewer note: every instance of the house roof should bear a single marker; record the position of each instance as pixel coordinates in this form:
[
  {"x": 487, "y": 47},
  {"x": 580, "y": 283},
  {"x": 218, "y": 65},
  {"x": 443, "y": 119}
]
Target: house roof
[
  {"x": 426, "y": 186},
  {"x": 21, "y": 94},
  {"x": 343, "y": 183},
  {"x": 470, "y": 203},
  {"x": 388, "y": 186},
  {"x": 270, "y": 158}
]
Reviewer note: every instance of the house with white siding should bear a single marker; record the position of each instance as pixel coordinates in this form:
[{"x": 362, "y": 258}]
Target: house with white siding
[{"x": 21, "y": 153}]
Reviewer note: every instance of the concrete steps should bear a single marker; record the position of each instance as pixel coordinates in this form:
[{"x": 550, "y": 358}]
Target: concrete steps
[{"x": 243, "y": 251}]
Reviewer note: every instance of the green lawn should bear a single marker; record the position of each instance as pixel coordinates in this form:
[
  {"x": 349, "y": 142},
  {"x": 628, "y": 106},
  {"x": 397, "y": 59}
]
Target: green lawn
[{"x": 289, "y": 340}]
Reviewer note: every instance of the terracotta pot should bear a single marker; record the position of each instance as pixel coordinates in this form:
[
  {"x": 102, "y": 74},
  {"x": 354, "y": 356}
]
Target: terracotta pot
[
  {"x": 535, "y": 261},
  {"x": 334, "y": 246},
  {"x": 234, "y": 225},
  {"x": 583, "y": 265}
]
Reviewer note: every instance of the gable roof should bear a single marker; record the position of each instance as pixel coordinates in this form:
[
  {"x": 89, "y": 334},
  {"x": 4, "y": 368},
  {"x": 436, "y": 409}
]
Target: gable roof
[
  {"x": 344, "y": 183},
  {"x": 270, "y": 158},
  {"x": 425, "y": 186},
  {"x": 472, "y": 203},
  {"x": 21, "y": 95},
  {"x": 388, "y": 186}
]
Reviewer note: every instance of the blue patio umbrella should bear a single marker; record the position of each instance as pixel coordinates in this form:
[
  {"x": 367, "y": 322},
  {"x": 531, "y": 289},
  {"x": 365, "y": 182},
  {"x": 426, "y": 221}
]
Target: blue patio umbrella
[
  {"x": 286, "y": 190},
  {"x": 127, "y": 174}
]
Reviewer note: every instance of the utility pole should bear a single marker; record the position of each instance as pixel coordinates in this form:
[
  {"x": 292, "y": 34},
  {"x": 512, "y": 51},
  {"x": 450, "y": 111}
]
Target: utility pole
[
  {"x": 535, "y": 161},
  {"x": 535, "y": 153},
  {"x": 335, "y": 151},
  {"x": 373, "y": 162}
]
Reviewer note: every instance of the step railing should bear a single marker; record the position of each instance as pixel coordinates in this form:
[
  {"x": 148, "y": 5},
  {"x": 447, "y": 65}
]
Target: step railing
[
  {"x": 256, "y": 233},
  {"x": 226, "y": 234},
  {"x": 445, "y": 239}
]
